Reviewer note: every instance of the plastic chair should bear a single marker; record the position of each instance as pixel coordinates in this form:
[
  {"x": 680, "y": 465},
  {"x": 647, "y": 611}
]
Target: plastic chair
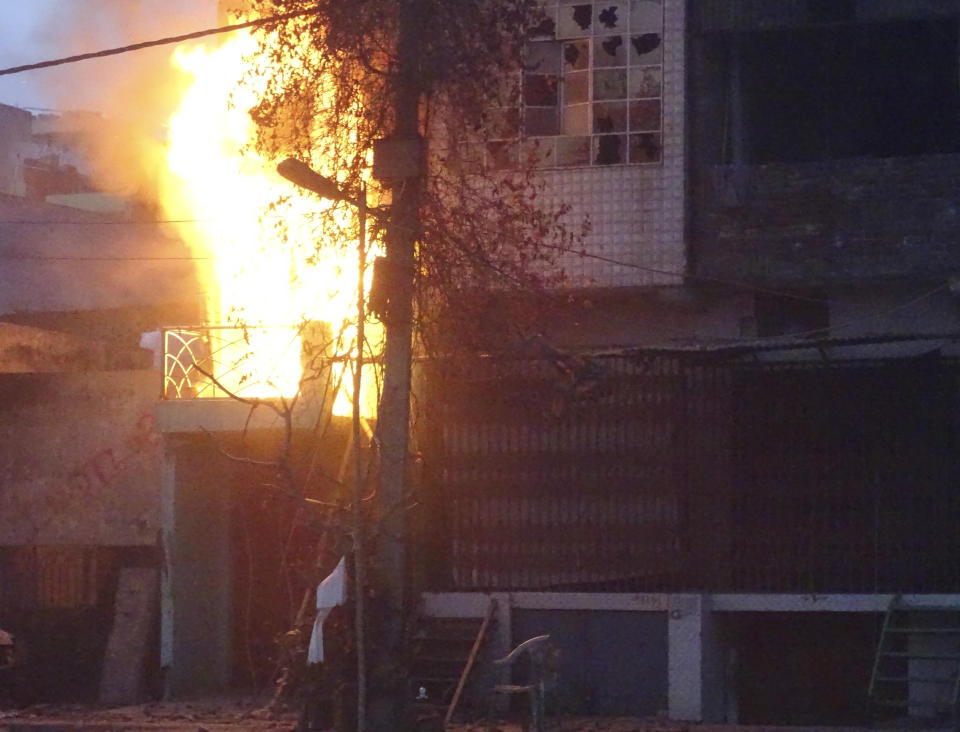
[{"x": 535, "y": 651}]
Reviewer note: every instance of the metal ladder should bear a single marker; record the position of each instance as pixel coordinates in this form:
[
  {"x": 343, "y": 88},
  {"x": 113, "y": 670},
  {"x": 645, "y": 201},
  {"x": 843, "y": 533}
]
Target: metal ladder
[{"x": 917, "y": 666}]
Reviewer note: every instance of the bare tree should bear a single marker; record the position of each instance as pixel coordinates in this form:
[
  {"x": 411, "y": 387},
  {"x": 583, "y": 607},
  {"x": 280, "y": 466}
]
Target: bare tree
[{"x": 466, "y": 231}]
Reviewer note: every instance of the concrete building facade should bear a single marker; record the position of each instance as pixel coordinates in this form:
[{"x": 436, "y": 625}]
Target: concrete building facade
[
  {"x": 81, "y": 453},
  {"x": 715, "y": 473},
  {"x": 709, "y": 482}
]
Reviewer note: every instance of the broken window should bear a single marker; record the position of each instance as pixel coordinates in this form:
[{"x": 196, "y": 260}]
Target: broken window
[
  {"x": 838, "y": 91},
  {"x": 591, "y": 88}
]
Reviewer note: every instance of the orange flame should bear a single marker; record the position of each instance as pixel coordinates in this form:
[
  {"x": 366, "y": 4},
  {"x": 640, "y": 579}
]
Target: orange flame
[{"x": 264, "y": 267}]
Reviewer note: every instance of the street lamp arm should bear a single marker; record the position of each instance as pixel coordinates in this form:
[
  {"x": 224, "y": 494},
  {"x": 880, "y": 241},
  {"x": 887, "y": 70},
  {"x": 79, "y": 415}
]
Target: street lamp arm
[{"x": 301, "y": 174}]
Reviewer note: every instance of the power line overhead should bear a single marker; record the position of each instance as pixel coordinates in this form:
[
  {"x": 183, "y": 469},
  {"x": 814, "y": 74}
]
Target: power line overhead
[{"x": 169, "y": 40}]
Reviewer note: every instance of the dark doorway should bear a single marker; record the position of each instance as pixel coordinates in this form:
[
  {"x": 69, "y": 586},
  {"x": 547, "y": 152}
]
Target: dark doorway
[{"x": 804, "y": 668}]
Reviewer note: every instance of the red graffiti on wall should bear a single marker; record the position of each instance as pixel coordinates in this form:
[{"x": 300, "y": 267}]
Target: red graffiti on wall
[{"x": 101, "y": 469}]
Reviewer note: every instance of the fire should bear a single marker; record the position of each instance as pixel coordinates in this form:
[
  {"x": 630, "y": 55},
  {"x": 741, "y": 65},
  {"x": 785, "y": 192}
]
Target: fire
[{"x": 263, "y": 269}]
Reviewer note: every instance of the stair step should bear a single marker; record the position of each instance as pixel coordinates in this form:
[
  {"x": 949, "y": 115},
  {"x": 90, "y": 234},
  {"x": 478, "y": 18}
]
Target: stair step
[
  {"x": 444, "y": 653},
  {"x": 924, "y": 631},
  {"x": 449, "y": 671},
  {"x": 918, "y": 679},
  {"x": 448, "y": 630},
  {"x": 921, "y": 656},
  {"x": 454, "y": 626},
  {"x": 944, "y": 706},
  {"x": 437, "y": 679},
  {"x": 438, "y": 660},
  {"x": 428, "y": 645}
]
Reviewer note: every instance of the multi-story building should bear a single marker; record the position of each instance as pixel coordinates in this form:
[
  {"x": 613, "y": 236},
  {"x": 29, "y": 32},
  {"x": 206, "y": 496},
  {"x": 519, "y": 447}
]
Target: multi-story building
[
  {"x": 739, "y": 444},
  {"x": 745, "y": 445}
]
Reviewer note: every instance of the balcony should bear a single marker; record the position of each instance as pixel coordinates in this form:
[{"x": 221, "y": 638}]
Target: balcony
[{"x": 216, "y": 378}]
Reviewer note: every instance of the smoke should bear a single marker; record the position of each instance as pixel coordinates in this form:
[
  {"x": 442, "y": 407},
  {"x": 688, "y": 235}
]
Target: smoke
[{"x": 136, "y": 93}]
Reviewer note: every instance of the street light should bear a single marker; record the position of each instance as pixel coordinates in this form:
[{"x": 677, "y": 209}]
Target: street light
[{"x": 301, "y": 174}]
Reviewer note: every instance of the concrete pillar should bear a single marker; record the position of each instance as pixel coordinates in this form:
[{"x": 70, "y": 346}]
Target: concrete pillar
[
  {"x": 502, "y": 641},
  {"x": 694, "y": 663},
  {"x": 168, "y": 484},
  {"x": 196, "y": 585}
]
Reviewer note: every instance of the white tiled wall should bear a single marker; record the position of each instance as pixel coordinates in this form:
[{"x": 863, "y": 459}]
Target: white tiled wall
[{"x": 636, "y": 212}]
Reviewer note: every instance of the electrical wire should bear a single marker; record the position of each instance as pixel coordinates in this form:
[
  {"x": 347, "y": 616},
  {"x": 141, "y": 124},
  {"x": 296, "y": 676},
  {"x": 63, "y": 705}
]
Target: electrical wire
[
  {"x": 276, "y": 19},
  {"x": 158, "y": 42},
  {"x": 578, "y": 252},
  {"x": 832, "y": 329},
  {"x": 112, "y": 222},
  {"x": 568, "y": 250},
  {"x": 264, "y": 21},
  {"x": 745, "y": 286},
  {"x": 78, "y": 258},
  {"x": 740, "y": 285},
  {"x": 687, "y": 275}
]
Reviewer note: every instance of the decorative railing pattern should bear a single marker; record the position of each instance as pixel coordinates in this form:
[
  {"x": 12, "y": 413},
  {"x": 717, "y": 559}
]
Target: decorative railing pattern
[{"x": 218, "y": 362}]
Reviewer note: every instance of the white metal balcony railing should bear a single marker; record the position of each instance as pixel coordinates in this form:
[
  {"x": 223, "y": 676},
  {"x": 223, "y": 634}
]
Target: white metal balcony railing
[{"x": 220, "y": 362}]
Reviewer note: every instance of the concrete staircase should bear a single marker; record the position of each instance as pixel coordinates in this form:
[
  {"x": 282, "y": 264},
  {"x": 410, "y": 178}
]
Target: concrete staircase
[{"x": 445, "y": 653}]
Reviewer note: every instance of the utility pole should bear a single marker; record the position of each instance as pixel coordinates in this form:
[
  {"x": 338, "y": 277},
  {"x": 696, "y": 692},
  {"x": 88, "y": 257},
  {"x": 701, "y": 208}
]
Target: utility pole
[
  {"x": 398, "y": 161},
  {"x": 359, "y": 553}
]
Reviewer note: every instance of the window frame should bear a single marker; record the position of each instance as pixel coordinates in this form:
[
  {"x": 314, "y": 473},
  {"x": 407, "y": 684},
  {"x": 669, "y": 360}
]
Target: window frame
[{"x": 561, "y": 111}]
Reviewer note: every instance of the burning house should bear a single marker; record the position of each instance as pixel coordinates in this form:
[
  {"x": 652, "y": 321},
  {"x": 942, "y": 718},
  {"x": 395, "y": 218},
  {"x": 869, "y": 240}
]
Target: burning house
[
  {"x": 731, "y": 455},
  {"x": 724, "y": 481}
]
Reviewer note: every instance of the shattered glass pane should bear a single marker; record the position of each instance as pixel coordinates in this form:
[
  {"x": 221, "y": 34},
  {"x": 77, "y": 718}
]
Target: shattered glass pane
[
  {"x": 610, "y": 84},
  {"x": 581, "y": 96},
  {"x": 610, "y": 51},
  {"x": 609, "y": 149},
  {"x": 576, "y": 119},
  {"x": 646, "y": 15},
  {"x": 543, "y": 57},
  {"x": 645, "y": 148},
  {"x": 546, "y": 26},
  {"x": 646, "y": 81},
  {"x": 539, "y": 153},
  {"x": 645, "y": 49},
  {"x": 573, "y": 151},
  {"x": 610, "y": 18},
  {"x": 610, "y": 117},
  {"x": 576, "y": 89},
  {"x": 576, "y": 55},
  {"x": 502, "y": 154},
  {"x": 645, "y": 115},
  {"x": 540, "y": 90},
  {"x": 574, "y": 21},
  {"x": 540, "y": 121}
]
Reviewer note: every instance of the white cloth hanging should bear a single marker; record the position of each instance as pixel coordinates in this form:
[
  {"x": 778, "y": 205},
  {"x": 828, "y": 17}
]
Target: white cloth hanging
[{"x": 330, "y": 593}]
